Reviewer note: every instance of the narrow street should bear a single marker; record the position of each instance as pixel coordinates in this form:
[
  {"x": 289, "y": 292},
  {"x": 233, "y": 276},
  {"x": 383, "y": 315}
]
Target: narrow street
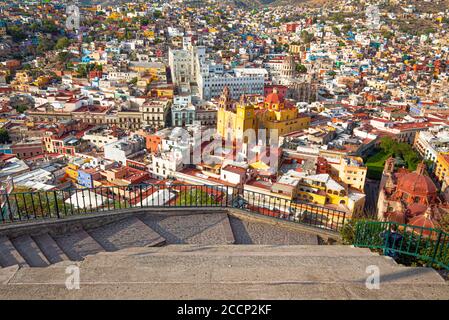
[{"x": 372, "y": 193}]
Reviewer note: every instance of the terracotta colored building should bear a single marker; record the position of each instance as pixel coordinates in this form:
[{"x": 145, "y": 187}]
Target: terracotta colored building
[{"x": 408, "y": 197}]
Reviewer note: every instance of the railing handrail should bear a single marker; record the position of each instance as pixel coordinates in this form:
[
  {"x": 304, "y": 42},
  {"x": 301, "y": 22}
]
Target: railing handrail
[
  {"x": 402, "y": 225},
  {"x": 30, "y": 205},
  {"x": 428, "y": 244}
]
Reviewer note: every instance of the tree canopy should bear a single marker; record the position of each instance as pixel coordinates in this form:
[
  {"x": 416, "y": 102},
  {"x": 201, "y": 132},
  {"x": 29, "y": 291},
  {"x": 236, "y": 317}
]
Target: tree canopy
[
  {"x": 4, "y": 136},
  {"x": 62, "y": 43},
  {"x": 400, "y": 149}
]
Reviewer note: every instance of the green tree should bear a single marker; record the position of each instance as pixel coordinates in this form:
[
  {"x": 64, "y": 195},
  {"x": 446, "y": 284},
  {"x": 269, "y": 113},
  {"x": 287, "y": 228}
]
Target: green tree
[
  {"x": 44, "y": 45},
  {"x": 64, "y": 56},
  {"x": 62, "y": 43},
  {"x": 306, "y": 37},
  {"x": 4, "y": 136},
  {"x": 336, "y": 31},
  {"x": 444, "y": 223},
  {"x": 387, "y": 34},
  {"x": 81, "y": 71},
  {"x": 194, "y": 198},
  {"x": 21, "y": 108},
  {"x": 17, "y": 33},
  {"x": 348, "y": 232},
  {"x": 300, "y": 68},
  {"x": 400, "y": 149},
  {"x": 157, "y": 14},
  {"x": 48, "y": 27},
  {"x": 346, "y": 28},
  {"x": 386, "y": 143}
]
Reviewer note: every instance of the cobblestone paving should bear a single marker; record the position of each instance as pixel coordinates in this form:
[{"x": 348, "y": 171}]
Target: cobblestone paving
[
  {"x": 246, "y": 232},
  {"x": 78, "y": 245},
  {"x": 193, "y": 229},
  {"x": 130, "y": 232}
]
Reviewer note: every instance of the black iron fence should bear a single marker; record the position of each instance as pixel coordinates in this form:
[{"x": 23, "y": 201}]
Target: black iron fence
[
  {"x": 25, "y": 206},
  {"x": 429, "y": 245}
]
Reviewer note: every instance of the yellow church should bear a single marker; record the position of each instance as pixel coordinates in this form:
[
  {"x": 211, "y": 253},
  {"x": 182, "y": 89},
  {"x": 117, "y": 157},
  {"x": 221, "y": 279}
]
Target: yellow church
[{"x": 234, "y": 118}]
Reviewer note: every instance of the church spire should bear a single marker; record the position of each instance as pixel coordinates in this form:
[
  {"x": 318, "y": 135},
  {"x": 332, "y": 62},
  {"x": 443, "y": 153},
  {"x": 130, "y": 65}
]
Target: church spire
[
  {"x": 421, "y": 168},
  {"x": 225, "y": 98}
]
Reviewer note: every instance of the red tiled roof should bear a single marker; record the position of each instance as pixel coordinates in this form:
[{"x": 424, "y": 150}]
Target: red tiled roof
[{"x": 416, "y": 184}]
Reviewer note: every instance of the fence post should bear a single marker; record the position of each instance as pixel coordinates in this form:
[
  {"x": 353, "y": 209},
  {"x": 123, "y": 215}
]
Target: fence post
[
  {"x": 11, "y": 216},
  {"x": 435, "y": 250},
  {"x": 141, "y": 196},
  {"x": 343, "y": 222},
  {"x": 56, "y": 204},
  {"x": 387, "y": 238},
  {"x": 357, "y": 233}
]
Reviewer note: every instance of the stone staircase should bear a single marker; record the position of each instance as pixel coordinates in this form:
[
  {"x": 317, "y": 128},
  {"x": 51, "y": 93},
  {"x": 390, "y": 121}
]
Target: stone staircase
[
  {"x": 227, "y": 272},
  {"x": 193, "y": 255},
  {"x": 45, "y": 249},
  {"x": 41, "y": 249}
]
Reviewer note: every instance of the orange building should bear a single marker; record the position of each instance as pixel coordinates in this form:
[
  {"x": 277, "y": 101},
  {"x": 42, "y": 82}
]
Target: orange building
[{"x": 406, "y": 196}]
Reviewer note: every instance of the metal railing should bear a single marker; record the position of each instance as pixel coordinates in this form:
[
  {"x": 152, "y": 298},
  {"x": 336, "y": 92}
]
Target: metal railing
[
  {"x": 428, "y": 245},
  {"x": 25, "y": 206}
]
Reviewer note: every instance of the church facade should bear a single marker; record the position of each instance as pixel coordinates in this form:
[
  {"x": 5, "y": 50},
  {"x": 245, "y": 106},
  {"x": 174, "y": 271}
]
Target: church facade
[
  {"x": 234, "y": 118},
  {"x": 408, "y": 197}
]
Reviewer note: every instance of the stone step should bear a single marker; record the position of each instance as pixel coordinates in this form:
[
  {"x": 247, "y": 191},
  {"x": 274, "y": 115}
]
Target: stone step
[
  {"x": 30, "y": 251},
  {"x": 164, "y": 260},
  {"x": 78, "y": 245},
  {"x": 251, "y": 232},
  {"x": 253, "y": 250},
  {"x": 228, "y": 272},
  {"x": 225, "y": 291},
  {"x": 204, "y": 229},
  {"x": 130, "y": 232},
  {"x": 204, "y": 263},
  {"x": 9, "y": 255},
  {"x": 209, "y": 271},
  {"x": 50, "y": 248},
  {"x": 227, "y": 230}
]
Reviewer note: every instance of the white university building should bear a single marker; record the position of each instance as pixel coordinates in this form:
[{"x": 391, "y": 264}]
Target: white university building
[{"x": 190, "y": 65}]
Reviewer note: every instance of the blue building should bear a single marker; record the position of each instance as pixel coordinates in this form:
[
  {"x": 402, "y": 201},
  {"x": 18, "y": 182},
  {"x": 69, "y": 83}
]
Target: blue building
[
  {"x": 85, "y": 179},
  {"x": 6, "y": 149}
]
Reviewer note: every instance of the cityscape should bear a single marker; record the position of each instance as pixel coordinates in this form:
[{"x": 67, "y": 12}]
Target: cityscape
[{"x": 171, "y": 125}]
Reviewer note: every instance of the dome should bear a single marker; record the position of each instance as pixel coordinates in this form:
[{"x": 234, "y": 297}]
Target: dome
[
  {"x": 423, "y": 221},
  {"x": 396, "y": 216},
  {"x": 415, "y": 209},
  {"x": 416, "y": 184},
  {"x": 272, "y": 98}
]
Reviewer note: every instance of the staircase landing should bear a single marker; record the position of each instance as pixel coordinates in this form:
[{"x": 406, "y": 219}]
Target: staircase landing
[{"x": 226, "y": 272}]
